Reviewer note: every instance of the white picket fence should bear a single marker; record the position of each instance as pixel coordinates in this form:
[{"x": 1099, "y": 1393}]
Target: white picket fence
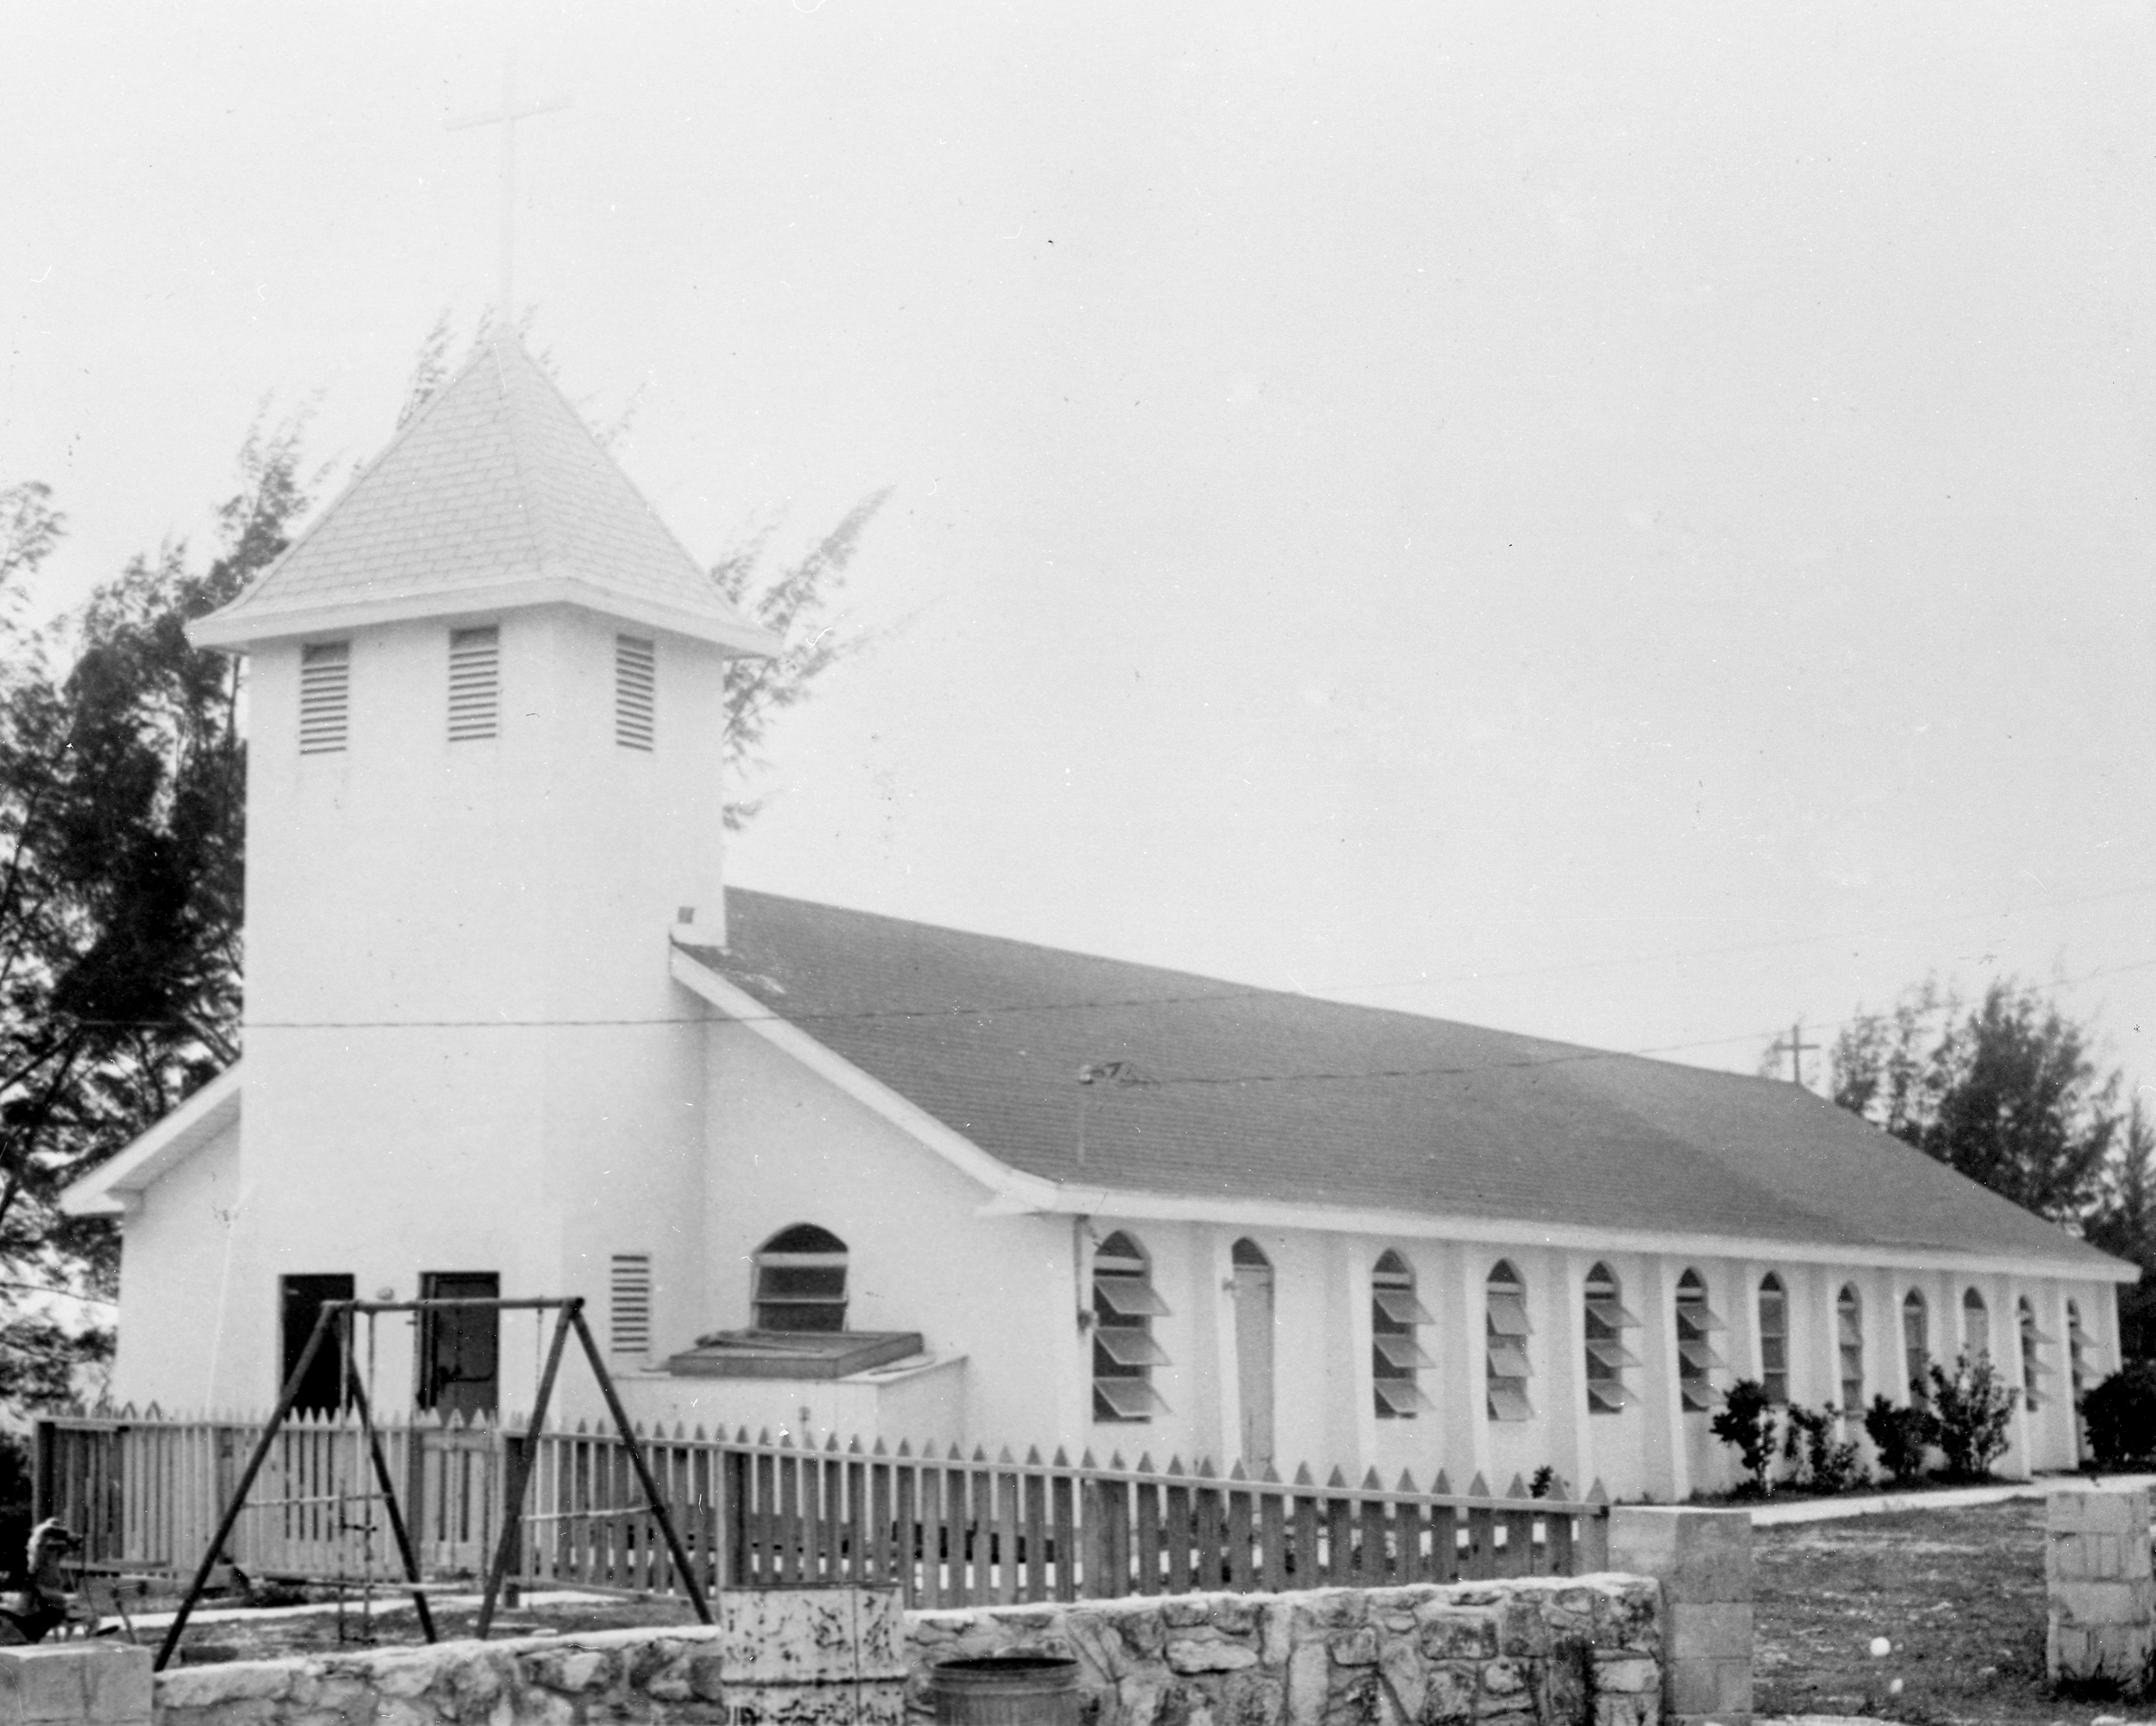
[{"x": 947, "y": 1528}]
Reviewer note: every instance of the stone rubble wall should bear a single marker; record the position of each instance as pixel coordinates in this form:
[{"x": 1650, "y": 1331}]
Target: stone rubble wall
[
  {"x": 810, "y": 1657},
  {"x": 1557, "y": 1652},
  {"x": 2102, "y": 1600}
]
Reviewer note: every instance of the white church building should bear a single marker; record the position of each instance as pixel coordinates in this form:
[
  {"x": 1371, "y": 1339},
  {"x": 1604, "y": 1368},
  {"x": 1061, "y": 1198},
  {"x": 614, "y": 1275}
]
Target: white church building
[{"x": 507, "y": 1032}]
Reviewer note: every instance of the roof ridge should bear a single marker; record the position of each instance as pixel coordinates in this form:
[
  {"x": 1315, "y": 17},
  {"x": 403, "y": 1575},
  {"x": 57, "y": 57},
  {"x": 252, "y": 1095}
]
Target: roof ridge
[
  {"x": 529, "y": 508},
  {"x": 1228, "y": 987},
  {"x": 608, "y": 462}
]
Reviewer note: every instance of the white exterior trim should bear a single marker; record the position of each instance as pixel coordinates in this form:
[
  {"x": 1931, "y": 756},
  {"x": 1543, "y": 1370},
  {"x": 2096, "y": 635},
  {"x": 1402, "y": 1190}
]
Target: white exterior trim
[
  {"x": 241, "y": 629},
  {"x": 1273, "y": 1213},
  {"x": 114, "y": 1188},
  {"x": 1024, "y": 1194}
]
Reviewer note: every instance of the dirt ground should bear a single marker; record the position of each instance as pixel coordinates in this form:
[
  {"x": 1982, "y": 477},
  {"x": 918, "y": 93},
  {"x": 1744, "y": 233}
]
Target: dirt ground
[{"x": 1958, "y": 1593}]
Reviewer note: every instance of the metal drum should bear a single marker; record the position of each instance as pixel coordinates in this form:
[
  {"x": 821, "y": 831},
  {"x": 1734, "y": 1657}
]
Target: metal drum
[{"x": 1009, "y": 1690}]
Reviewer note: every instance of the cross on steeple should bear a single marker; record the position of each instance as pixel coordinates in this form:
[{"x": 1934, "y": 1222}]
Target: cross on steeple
[{"x": 506, "y": 117}]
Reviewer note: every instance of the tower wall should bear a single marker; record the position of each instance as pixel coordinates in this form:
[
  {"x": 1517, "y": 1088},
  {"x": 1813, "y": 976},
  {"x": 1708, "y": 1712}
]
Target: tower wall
[{"x": 463, "y": 1051}]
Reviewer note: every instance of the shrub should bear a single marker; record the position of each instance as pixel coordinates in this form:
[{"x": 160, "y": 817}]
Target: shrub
[
  {"x": 1746, "y": 1423},
  {"x": 1901, "y": 1435},
  {"x": 1971, "y": 1408},
  {"x": 1826, "y": 1463},
  {"x": 2119, "y": 1417}
]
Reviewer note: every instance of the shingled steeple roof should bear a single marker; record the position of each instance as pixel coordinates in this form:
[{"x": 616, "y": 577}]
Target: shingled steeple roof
[{"x": 495, "y": 495}]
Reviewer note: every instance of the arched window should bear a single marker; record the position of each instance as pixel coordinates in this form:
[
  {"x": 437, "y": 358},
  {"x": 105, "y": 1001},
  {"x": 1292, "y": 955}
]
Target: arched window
[
  {"x": 1396, "y": 1356},
  {"x": 1975, "y": 1325},
  {"x": 1607, "y": 1359},
  {"x": 1916, "y": 1346},
  {"x": 1774, "y": 1337},
  {"x": 2034, "y": 1366},
  {"x": 801, "y": 1281},
  {"x": 1697, "y": 1360},
  {"x": 1124, "y": 1351},
  {"x": 1506, "y": 1333},
  {"x": 1849, "y": 1327}
]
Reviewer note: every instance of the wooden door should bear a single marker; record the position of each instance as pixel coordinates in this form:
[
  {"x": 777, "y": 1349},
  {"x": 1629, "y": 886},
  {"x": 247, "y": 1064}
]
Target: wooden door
[{"x": 1254, "y": 1351}]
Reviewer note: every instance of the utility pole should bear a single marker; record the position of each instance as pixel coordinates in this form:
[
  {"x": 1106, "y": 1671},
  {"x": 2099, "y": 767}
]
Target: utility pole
[{"x": 1798, "y": 1048}]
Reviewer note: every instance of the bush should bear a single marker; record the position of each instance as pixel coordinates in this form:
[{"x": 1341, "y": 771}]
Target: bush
[
  {"x": 1900, "y": 1436},
  {"x": 1971, "y": 1408},
  {"x": 1825, "y": 1463},
  {"x": 1745, "y": 1422},
  {"x": 2118, "y": 1417}
]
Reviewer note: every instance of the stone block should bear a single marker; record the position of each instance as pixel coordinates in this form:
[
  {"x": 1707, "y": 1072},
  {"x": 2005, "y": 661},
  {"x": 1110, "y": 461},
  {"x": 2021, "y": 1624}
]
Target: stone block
[
  {"x": 1400, "y": 1665},
  {"x": 826, "y": 1704},
  {"x": 2097, "y": 1602},
  {"x": 117, "y": 1686},
  {"x": 1448, "y": 1692},
  {"x": 1695, "y": 1631},
  {"x": 797, "y": 1635},
  {"x": 1309, "y": 1680},
  {"x": 2096, "y": 1510},
  {"x": 1192, "y": 1655},
  {"x": 1719, "y": 1687},
  {"x": 1627, "y": 1677},
  {"x": 879, "y": 1701},
  {"x": 880, "y": 1632},
  {"x": 2104, "y": 1557},
  {"x": 1523, "y": 1632},
  {"x": 1354, "y": 1647},
  {"x": 1628, "y": 1616},
  {"x": 1451, "y": 1634}
]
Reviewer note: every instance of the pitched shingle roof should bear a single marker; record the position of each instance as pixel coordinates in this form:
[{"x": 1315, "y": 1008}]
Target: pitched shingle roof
[
  {"x": 495, "y": 495},
  {"x": 1235, "y": 1092}
]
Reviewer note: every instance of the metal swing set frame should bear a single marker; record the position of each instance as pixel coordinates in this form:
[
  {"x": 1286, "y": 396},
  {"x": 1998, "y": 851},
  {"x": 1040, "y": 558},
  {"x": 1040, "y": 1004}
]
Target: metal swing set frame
[{"x": 340, "y": 1315}]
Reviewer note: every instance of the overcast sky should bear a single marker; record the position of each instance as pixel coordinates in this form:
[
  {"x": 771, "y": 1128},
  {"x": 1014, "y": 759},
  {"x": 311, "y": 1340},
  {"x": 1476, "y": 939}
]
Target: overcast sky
[{"x": 1627, "y": 523}]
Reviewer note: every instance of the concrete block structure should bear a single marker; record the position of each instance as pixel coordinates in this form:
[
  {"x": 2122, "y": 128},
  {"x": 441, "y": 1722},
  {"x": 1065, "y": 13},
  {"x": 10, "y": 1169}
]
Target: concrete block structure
[
  {"x": 1702, "y": 1559},
  {"x": 2103, "y": 1616},
  {"x": 74, "y": 1684}
]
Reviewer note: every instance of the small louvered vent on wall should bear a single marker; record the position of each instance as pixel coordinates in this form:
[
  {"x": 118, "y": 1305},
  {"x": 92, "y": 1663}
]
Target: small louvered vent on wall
[
  {"x": 324, "y": 696},
  {"x": 475, "y": 683},
  {"x": 635, "y": 678},
  {"x": 629, "y": 1306}
]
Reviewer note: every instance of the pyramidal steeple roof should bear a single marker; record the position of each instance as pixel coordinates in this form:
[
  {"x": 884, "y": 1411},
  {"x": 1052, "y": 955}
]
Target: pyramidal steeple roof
[{"x": 495, "y": 495}]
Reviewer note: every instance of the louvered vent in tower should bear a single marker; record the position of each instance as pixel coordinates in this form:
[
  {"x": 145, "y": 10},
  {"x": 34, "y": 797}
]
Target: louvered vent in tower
[
  {"x": 628, "y": 1305},
  {"x": 324, "y": 696},
  {"x": 475, "y": 683},
  {"x": 634, "y": 679}
]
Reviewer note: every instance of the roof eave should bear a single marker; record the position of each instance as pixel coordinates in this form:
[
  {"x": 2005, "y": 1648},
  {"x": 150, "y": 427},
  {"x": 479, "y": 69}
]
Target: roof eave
[
  {"x": 1060, "y": 1197},
  {"x": 114, "y": 1188},
  {"x": 239, "y": 627}
]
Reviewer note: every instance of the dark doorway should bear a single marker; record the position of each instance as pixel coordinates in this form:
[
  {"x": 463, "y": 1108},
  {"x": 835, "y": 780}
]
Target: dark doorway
[
  {"x": 300, "y": 1302},
  {"x": 460, "y": 1347}
]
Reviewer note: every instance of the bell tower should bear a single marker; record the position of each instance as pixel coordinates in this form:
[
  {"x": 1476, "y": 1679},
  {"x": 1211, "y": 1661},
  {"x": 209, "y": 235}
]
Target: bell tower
[{"x": 485, "y": 726}]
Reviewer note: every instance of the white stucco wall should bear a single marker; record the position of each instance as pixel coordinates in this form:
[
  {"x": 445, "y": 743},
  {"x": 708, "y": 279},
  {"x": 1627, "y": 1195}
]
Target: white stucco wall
[
  {"x": 174, "y": 1266},
  {"x": 787, "y": 1147}
]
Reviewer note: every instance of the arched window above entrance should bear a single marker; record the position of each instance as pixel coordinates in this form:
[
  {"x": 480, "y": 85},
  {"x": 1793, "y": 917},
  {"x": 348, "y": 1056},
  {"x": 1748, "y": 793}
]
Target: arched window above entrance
[{"x": 801, "y": 1281}]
